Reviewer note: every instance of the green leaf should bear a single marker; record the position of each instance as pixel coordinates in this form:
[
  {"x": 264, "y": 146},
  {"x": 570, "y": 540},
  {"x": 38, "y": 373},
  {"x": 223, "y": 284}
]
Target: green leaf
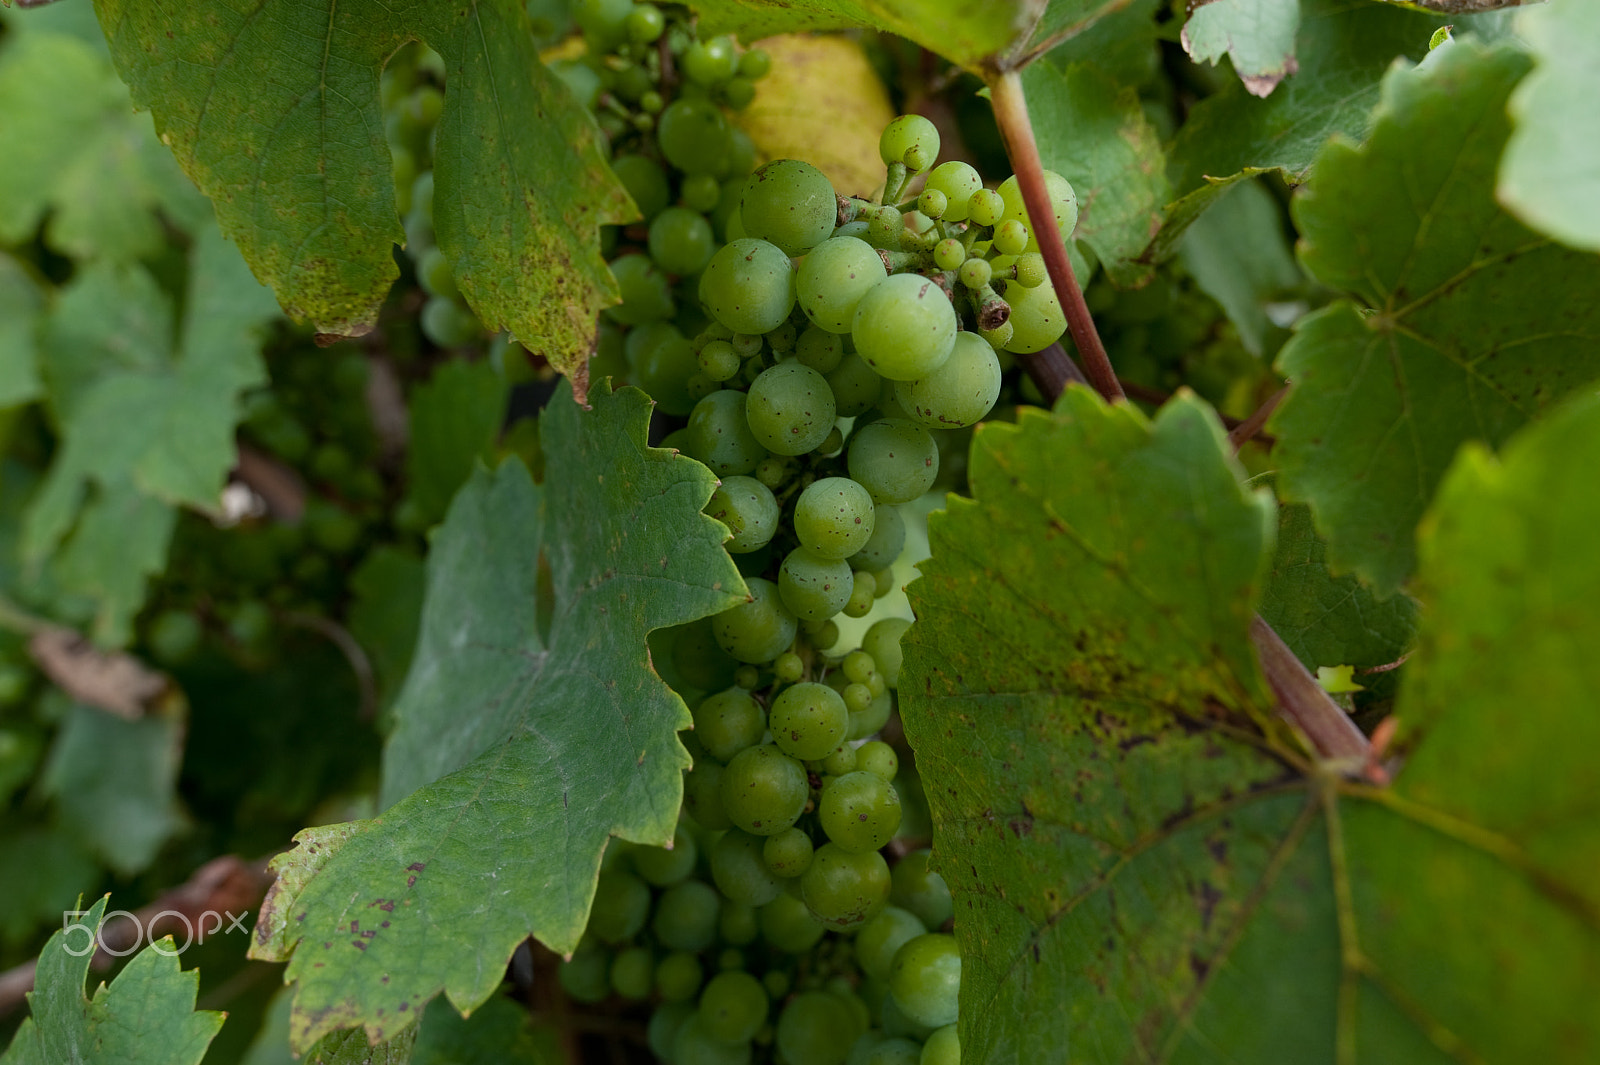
[
  {"x": 1239, "y": 256},
  {"x": 1257, "y": 35},
  {"x": 43, "y": 871},
  {"x": 146, "y": 1015},
  {"x": 1550, "y": 175},
  {"x": 76, "y": 152},
  {"x": 509, "y": 735},
  {"x": 1144, "y": 871},
  {"x": 386, "y": 613},
  {"x": 497, "y": 1034},
  {"x": 1094, "y": 133},
  {"x": 20, "y": 303},
  {"x": 1462, "y": 324},
  {"x": 1119, "y": 37},
  {"x": 115, "y": 783},
  {"x": 146, "y": 418},
  {"x": 278, "y": 119},
  {"x": 455, "y": 420}
]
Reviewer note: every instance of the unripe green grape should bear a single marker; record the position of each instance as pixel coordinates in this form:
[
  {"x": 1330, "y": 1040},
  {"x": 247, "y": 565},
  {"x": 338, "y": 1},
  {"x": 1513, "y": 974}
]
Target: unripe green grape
[
  {"x": 833, "y": 518},
  {"x": 663, "y": 361},
  {"x": 906, "y": 134},
  {"x": 925, "y": 979},
  {"x": 710, "y": 63},
  {"x": 719, "y": 434},
  {"x": 855, "y": 386},
  {"x": 759, "y": 630},
  {"x": 788, "y": 925},
  {"x": 788, "y": 853},
  {"x": 665, "y": 1022},
  {"x": 632, "y": 82},
  {"x": 933, "y": 203},
  {"x": 895, "y": 461},
  {"x": 859, "y": 811},
  {"x": 646, "y": 296},
  {"x": 738, "y": 93},
  {"x": 700, "y": 192},
  {"x": 448, "y": 324},
  {"x": 755, "y": 64},
  {"x": 586, "y": 976},
  {"x": 733, "y": 1007},
  {"x": 644, "y": 23},
  {"x": 1031, "y": 272},
  {"x": 826, "y": 636},
  {"x": 863, "y": 591},
  {"x": 633, "y": 973},
  {"x": 435, "y": 276},
  {"x": 833, "y": 278},
  {"x": 957, "y": 181},
  {"x": 882, "y": 642},
  {"x": 693, "y": 135},
  {"x": 678, "y": 976},
  {"x": 948, "y": 254},
  {"x": 893, "y": 1050},
  {"x": 789, "y": 667},
  {"x": 174, "y": 636},
  {"x": 986, "y": 207},
  {"x": 772, "y": 472},
  {"x": 764, "y": 790},
  {"x": 681, "y": 241},
  {"x": 872, "y": 719},
  {"x": 919, "y": 889},
  {"x": 857, "y": 699},
  {"x": 885, "y": 228},
  {"x": 959, "y": 393},
  {"x": 886, "y": 542},
  {"x": 663, "y": 867},
  {"x": 876, "y": 683},
  {"x": 331, "y": 527},
  {"x": 881, "y": 937},
  {"x": 904, "y": 327},
  {"x": 1011, "y": 237},
  {"x": 621, "y": 907},
  {"x": 737, "y": 924},
  {"x": 878, "y": 758},
  {"x": 686, "y": 916},
  {"x": 748, "y": 286},
  {"x": 728, "y": 722},
  {"x": 808, "y": 720},
  {"x": 736, "y": 164},
  {"x": 840, "y": 760},
  {"x": 1063, "y": 203},
  {"x": 718, "y": 361},
  {"x": 843, "y": 888},
  {"x": 858, "y": 666},
  {"x": 645, "y": 181},
  {"x": 740, "y": 871},
  {"x": 809, "y": 1030},
  {"x": 975, "y": 273},
  {"x": 603, "y": 21},
  {"x": 790, "y": 409},
  {"x": 702, "y": 795},
  {"x": 818, "y": 348},
  {"x": 1036, "y": 319},
  {"x": 651, "y": 103},
  {"x": 790, "y": 203}
]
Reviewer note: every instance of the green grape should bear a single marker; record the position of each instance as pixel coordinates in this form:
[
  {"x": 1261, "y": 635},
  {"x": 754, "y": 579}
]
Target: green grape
[
  {"x": 1063, "y": 203},
  {"x": 808, "y": 720},
  {"x": 621, "y": 907},
  {"x": 894, "y": 1051},
  {"x": 790, "y": 409},
  {"x": 728, "y": 722},
  {"x": 633, "y": 973},
  {"x": 810, "y": 1031},
  {"x": 763, "y": 790},
  {"x": 925, "y": 979},
  {"x": 663, "y": 361},
  {"x": 975, "y": 273},
  {"x": 843, "y": 888},
  {"x": 932, "y": 204},
  {"x": 864, "y": 1046},
  {"x": 787, "y": 925},
  {"x": 739, "y": 93},
  {"x": 740, "y": 872},
  {"x": 678, "y": 976},
  {"x": 872, "y": 719},
  {"x": 789, "y": 203},
  {"x": 878, "y": 758},
  {"x": 886, "y": 542},
  {"x": 863, "y": 590},
  {"x": 882, "y": 642},
  {"x": 959, "y": 393},
  {"x": 855, "y": 386},
  {"x": 857, "y": 699},
  {"x": 948, "y": 254},
  {"x": 859, "y": 666},
  {"x": 1031, "y": 271},
  {"x": 842, "y": 759},
  {"x": 748, "y": 286},
  {"x": 645, "y": 181},
  {"x": 755, "y": 64},
  {"x": 759, "y": 630},
  {"x": 782, "y": 339},
  {"x": 681, "y": 241},
  {"x": 447, "y": 323},
  {"x": 710, "y": 63},
  {"x": 895, "y": 461},
  {"x": 986, "y": 207},
  {"x": 586, "y": 976},
  {"x": 174, "y": 636},
  {"x": 813, "y": 588},
  {"x": 693, "y": 135},
  {"x": 719, "y": 434},
  {"x": 777, "y": 982},
  {"x": 701, "y": 193},
  {"x": 745, "y": 345},
  {"x": 788, "y": 853},
  {"x": 646, "y": 295},
  {"x": 942, "y": 1048},
  {"x": 435, "y": 276},
  {"x": 663, "y": 867},
  {"x": 882, "y": 936},
  {"x": 331, "y": 464},
  {"x": 733, "y": 1007},
  {"x": 1036, "y": 318},
  {"x": 895, "y": 1022},
  {"x": 331, "y": 527},
  {"x": 833, "y": 278},
  {"x": 904, "y": 327},
  {"x": 818, "y": 348},
  {"x": 740, "y": 160},
  {"x": 886, "y": 228},
  {"x": 789, "y": 666},
  {"x": 737, "y": 924},
  {"x": 702, "y": 795},
  {"x": 686, "y": 916},
  {"x": 908, "y": 137},
  {"x": 698, "y": 658},
  {"x": 664, "y": 1025},
  {"x": 644, "y": 23},
  {"x": 773, "y": 472},
  {"x": 603, "y": 22},
  {"x": 859, "y": 811},
  {"x": 921, "y": 890},
  {"x": 833, "y": 518},
  {"x": 718, "y": 361},
  {"x": 958, "y": 181},
  {"x": 632, "y": 82},
  {"x": 1011, "y": 237}
]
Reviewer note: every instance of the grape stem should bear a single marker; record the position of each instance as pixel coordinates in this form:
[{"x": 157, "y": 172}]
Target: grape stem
[
  {"x": 1016, "y": 130},
  {"x": 1240, "y": 434},
  {"x": 1302, "y": 700}
]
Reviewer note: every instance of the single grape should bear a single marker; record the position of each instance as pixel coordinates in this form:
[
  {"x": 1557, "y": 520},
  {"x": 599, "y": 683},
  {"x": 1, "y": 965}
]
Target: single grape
[
  {"x": 686, "y": 916},
  {"x": 790, "y": 409},
  {"x": 959, "y": 393},
  {"x": 728, "y": 722},
  {"x": 948, "y": 254},
  {"x": 882, "y": 642},
  {"x": 719, "y": 434},
  {"x": 736, "y": 164},
  {"x": 755, "y": 64},
  {"x": 895, "y": 461},
  {"x": 789, "y": 666},
  {"x": 788, "y": 925},
  {"x": 957, "y": 181},
  {"x": 678, "y": 976},
  {"x": 813, "y": 588},
  {"x": 633, "y": 973},
  {"x": 906, "y": 135},
  {"x": 863, "y": 591},
  {"x": 833, "y": 518},
  {"x": 681, "y": 241},
  {"x": 1031, "y": 272},
  {"x": 740, "y": 871},
  {"x": 663, "y": 867},
  {"x": 733, "y": 1007},
  {"x": 1036, "y": 319},
  {"x": 942, "y": 1048},
  {"x": 921, "y": 890},
  {"x": 621, "y": 907},
  {"x": 810, "y": 1030},
  {"x": 759, "y": 630},
  {"x": 819, "y": 349},
  {"x": 748, "y": 286},
  {"x": 644, "y": 23},
  {"x": 894, "y": 1050},
  {"x": 904, "y": 327},
  {"x": 843, "y": 888},
  {"x": 788, "y": 854},
  {"x": 664, "y": 1024},
  {"x": 718, "y": 361},
  {"x": 886, "y": 542},
  {"x": 435, "y": 276},
  {"x": 693, "y": 135},
  {"x": 663, "y": 361},
  {"x": 986, "y": 207},
  {"x": 925, "y": 979},
  {"x": 882, "y": 936},
  {"x": 702, "y": 795},
  {"x": 701, "y": 192},
  {"x": 737, "y": 924},
  {"x": 646, "y": 295},
  {"x": 808, "y": 720},
  {"x": 932, "y": 204},
  {"x": 789, "y": 203},
  {"x": 710, "y": 63},
  {"x": 878, "y": 758},
  {"x": 764, "y": 790},
  {"x": 645, "y": 181},
  {"x": 1063, "y": 203},
  {"x": 1011, "y": 237},
  {"x": 448, "y": 324},
  {"x": 873, "y": 718},
  {"x": 859, "y": 811},
  {"x": 603, "y": 22},
  {"x": 175, "y": 635},
  {"x": 857, "y": 699},
  {"x": 833, "y": 278},
  {"x": 586, "y": 976},
  {"x": 855, "y": 386}
]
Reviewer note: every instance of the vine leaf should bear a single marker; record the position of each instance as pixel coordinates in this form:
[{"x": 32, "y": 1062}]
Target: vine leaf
[
  {"x": 1550, "y": 175},
  {"x": 522, "y": 742},
  {"x": 274, "y": 112},
  {"x": 1238, "y": 254},
  {"x": 455, "y": 420},
  {"x": 1460, "y": 324},
  {"x": 21, "y": 305},
  {"x": 146, "y": 1016},
  {"x": 146, "y": 410},
  {"x": 1144, "y": 870},
  {"x": 1094, "y": 132},
  {"x": 1257, "y": 35}
]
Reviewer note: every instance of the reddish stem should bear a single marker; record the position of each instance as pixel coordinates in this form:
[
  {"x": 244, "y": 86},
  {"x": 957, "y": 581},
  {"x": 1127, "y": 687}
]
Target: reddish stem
[
  {"x": 1242, "y": 432},
  {"x": 1011, "y": 115},
  {"x": 1302, "y": 700}
]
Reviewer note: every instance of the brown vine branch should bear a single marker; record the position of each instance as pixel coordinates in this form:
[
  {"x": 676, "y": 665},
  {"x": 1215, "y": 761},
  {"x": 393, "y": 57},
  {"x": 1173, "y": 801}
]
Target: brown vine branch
[
  {"x": 1016, "y": 130},
  {"x": 1240, "y": 434},
  {"x": 1303, "y": 702}
]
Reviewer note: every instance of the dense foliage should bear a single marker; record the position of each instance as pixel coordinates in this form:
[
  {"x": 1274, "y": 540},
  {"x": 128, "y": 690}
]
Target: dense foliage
[{"x": 807, "y": 532}]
